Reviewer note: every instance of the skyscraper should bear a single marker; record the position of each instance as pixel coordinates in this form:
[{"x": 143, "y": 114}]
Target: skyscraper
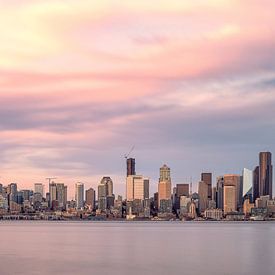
[
  {"x": 79, "y": 195},
  {"x": 256, "y": 183},
  {"x": 265, "y": 174},
  {"x": 229, "y": 195},
  {"x": 105, "y": 193},
  {"x": 164, "y": 186},
  {"x": 182, "y": 189},
  {"x": 131, "y": 167},
  {"x": 90, "y": 198},
  {"x": 61, "y": 195},
  {"x": 39, "y": 188},
  {"x": 53, "y": 193},
  {"x": 207, "y": 178},
  {"x": 247, "y": 184},
  {"x": 234, "y": 180},
  {"x": 220, "y": 184},
  {"x": 203, "y": 195},
  {"x": 137, "y": 188}
]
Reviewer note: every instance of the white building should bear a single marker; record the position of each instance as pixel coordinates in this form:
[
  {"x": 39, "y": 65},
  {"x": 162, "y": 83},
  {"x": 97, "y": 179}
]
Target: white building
[{"x": 247, "y": 182}]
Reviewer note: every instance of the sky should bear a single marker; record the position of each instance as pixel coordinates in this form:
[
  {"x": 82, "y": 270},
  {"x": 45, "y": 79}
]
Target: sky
[{"x": 189, "y": 83}]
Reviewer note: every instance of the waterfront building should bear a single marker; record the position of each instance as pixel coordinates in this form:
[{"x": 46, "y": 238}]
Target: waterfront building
[
  {"x": 261, "y": 202},
  {"x": 265, "y": 174},
  {"x": 247, "y": 206},
  {"x": 213, "y": 214}
]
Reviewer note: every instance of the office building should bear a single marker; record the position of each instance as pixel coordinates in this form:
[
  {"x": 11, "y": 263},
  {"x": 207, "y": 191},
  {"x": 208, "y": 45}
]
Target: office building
[
  {"x": 230, "y": 198},
  {"x": 131, "y": 167},
  {"x": 256, "y": 193},
  {"x": 137, "y": 188},
  {"x": 247, "y": 184},
  {"x": 265, "y": 174},
  {"x": 220, "y": 185},
  {"x": 164, "y": 186},
  {"x": 234, "y": 180},
  {"x": 79, "y": 195},
  {"x": 105, "y": 194},
  {"x": 39, "y": 188},
  {"x": 203, "y": 196},
  {"x": 90, "y": 198},
  {"x": 207, "y": 178}
]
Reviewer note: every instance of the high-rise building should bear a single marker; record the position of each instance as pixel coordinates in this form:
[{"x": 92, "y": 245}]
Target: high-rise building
[
  {"x": 182, "y": 189},
  {"x": 53, "y": 193},
  {"x": 12, "y": 193},
  {"x": 61, "y": 195},
  {"x": 131, "y": 167},
  {"x": 137, "y": 188},
  {"x": 234, "y": 180},
  {"x": 90, "y": 198},
  {"x": 265, "y": 174},
  {"x": 256, "y": 183},
  {"x": 247, "y": 184},
  {"x": 79, "y": 195},
  {"x": 207, "y": 178},
  {"x": 220, "y": 184},
  {"x": 26, "y": 195},
  {"x": 203, "y": 196},
  {"x": 230, "y": 198},
  {"x": 164, "y": 186},
  {"x": 39, "y": 188},
  {"x": 105, "y": 194}
]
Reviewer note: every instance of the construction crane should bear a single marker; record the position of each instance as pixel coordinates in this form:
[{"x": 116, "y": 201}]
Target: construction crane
[{"x": 127, "y": 155}]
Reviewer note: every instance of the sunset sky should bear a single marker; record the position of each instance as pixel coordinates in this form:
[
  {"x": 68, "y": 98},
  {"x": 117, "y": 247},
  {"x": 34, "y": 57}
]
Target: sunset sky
[{"x": 189, "y": 83}]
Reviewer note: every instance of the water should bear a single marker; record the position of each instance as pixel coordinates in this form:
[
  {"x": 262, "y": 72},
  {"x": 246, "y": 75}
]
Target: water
[{"x": 137, "y": 248}]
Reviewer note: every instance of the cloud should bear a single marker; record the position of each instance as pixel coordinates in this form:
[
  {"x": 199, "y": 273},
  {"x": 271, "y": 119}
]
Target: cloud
[{"x": 191, "y": 84}]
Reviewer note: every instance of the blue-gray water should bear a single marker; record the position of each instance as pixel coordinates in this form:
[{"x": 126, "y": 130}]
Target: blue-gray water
[{"x": 137, "y": 248}]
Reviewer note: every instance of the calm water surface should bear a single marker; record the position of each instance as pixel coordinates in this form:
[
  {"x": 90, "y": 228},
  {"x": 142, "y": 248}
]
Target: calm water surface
[{"x": 137, "y": 248}]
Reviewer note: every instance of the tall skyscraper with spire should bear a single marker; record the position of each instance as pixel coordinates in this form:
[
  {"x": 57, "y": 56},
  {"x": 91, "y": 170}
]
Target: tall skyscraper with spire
[{"x": 164, "y": 186}]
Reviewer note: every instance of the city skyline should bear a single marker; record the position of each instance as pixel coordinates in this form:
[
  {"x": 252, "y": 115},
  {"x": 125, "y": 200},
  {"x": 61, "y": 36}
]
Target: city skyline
[
  {"x": 189, "y": 84},
  {"x": 206, "y": 177}
]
